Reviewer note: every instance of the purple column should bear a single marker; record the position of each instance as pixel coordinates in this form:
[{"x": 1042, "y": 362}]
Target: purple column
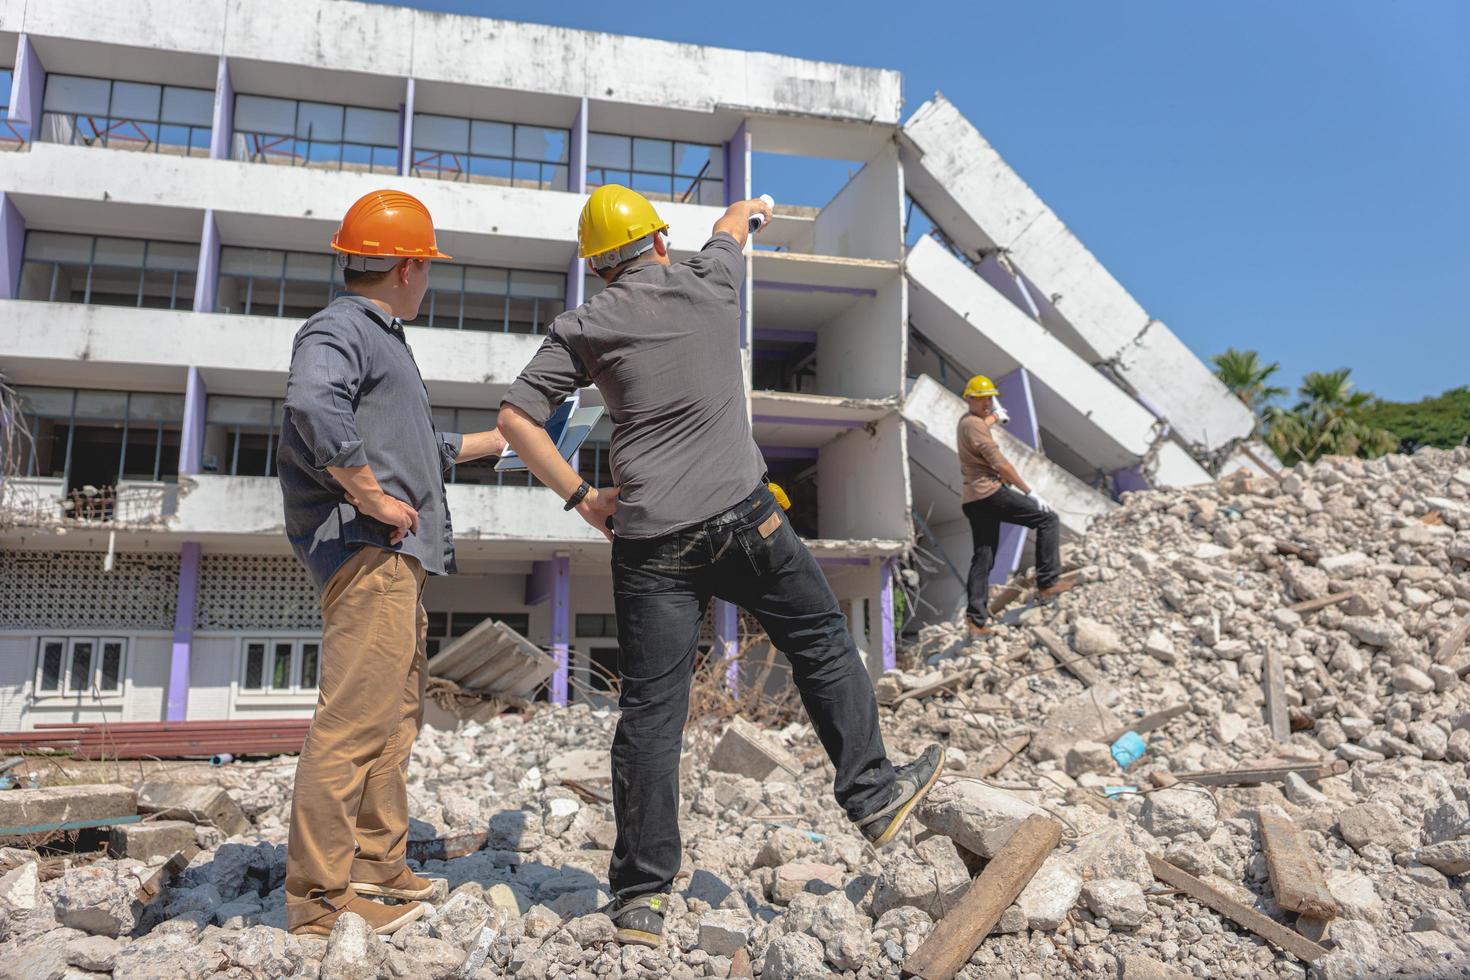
[
  {"x": 885, "y": 605},
  {"x": 1015, "y": 395},
  {"x": 727, "y": 641},
  {"x": 178, "y": 665},
  {"x": 1129, "y": 480},
  {"x": 12, "y": 244},
  {"x": 405, "y": 131},
  {"x": 206, "y": 281},
  {"x": 737, "y": 188},
  {"x": 577, "y": 152},
  {"x": 191, "y": 434},
  {"x": 561, "y": 631},
  {"x": 27, "y": 85},
  {"x": 539, "y": 583},
  {"x": 223, "y": 130}
]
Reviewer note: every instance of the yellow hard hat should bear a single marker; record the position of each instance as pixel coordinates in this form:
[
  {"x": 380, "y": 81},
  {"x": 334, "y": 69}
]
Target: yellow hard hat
[
  {"x": 613, "y": 219},
  {"x": 980, "y": 386},
  {"x": 780, "y": 495}
]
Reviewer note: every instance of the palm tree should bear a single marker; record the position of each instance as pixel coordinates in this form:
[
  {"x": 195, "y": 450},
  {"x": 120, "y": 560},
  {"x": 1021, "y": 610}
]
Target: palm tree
[
  {"x": 1244, "y": 374},
  {"x": 1331, "y": 419}
]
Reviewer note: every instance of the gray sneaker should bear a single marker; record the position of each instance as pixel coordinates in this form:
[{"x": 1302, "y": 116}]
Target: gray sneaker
[
  {"x": 915, "y": 780},
  {"x": 639, "y": 921}
]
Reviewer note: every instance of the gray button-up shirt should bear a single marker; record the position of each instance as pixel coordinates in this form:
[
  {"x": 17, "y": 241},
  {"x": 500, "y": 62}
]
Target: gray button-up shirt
[{"x": 354, "y": 395}]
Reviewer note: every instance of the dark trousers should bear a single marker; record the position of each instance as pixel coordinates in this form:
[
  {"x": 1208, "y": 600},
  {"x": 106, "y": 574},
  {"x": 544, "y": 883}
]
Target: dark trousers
[
  {"x": 749, "y": 555},
  {"x": 986, "y": 516}
]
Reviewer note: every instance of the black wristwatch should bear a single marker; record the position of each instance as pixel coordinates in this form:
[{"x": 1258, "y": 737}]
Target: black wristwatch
[{"x": 577, "y": 497}]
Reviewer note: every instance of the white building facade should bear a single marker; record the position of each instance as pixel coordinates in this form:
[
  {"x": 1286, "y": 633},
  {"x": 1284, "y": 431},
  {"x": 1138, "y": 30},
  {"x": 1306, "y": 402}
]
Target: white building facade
[{"x": 175, "y": 170}]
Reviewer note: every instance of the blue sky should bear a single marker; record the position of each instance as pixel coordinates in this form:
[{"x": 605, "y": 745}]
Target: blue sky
[{"x": 1289, "y": 177}]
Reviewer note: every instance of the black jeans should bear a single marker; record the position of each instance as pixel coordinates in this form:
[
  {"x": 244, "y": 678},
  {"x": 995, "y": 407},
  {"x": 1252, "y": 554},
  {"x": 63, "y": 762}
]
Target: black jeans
[
  {"x": 661, "y": 587},
  {"x": 986, "y": 516}
]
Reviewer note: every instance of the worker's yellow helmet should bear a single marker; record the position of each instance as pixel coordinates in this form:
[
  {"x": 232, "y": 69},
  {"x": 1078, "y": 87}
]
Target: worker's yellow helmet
[
  {"x": 980, "y": 386},
  {"x": 780, "y": 495},
  {"x": 614, "y": 219}
]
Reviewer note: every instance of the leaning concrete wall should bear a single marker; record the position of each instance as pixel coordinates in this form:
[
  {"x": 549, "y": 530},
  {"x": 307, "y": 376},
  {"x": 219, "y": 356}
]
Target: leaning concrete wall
[{"x": 983, "y": 205}]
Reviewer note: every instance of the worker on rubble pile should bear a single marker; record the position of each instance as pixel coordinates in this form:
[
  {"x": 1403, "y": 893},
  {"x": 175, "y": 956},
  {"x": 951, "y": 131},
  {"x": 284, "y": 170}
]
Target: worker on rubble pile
[
  {"x": 362, "y": 474},
  {"x": 691, "y": 517},
  {"x": 994, "y": 493}
]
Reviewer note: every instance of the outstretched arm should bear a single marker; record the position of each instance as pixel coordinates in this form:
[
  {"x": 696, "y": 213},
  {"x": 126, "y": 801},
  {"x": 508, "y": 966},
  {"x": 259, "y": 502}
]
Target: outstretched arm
[
  {"x": 533, "y": 445},
  {"x": 735, "y": 222}
]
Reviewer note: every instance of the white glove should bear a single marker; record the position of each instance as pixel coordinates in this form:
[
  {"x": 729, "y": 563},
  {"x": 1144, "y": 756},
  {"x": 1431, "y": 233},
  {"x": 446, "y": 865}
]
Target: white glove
[{"x": 1040, "y": 502}]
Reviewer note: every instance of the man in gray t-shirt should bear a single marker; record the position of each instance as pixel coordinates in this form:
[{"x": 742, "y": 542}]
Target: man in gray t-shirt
[{"x": 690, "y": 518}]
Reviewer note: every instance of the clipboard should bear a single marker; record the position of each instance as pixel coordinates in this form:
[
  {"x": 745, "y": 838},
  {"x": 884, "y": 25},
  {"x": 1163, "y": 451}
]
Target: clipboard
[{"x": 568, "y": 428}]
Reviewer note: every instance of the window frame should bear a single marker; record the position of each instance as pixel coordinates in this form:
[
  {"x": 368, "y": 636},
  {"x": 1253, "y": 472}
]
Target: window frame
[
  {"x": 178, "y": 301},
  {"x": 105, "y": 136},
  {"x": 335, "y": 284},
  {"x": 93, "y": 691},
  {"x": 271, "y": 648},
  {"x": 241, "y": 150},
  {"x": 234, "y": 430},
  {"x": 638, "y": 177},
  {"x": 71, "y": 420},
  {"x": 463, "y": 169}
]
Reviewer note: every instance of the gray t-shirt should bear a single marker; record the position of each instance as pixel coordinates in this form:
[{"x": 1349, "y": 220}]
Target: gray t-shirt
[{"x": 662, "y": 344}]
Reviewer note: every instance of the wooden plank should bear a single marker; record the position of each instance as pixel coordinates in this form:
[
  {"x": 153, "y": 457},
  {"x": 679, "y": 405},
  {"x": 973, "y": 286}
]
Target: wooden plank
[
  {"x": 1296, "y": 878},
  {"x": 1308, "y": 555},
  {"x": 1148, "y": 722},
  {"x": 999, "y": 755},
  {"x": 1268, "y": 929},
  {"x": 1452, "y": 643},
  {"x": 155, "y": 885},
  {"x": 1321, "y": 602},
  {"x": 1273, "y": 679},
  {"x": 1251, "y": 775},
  {"x": 1062, "y": 654},
  {"x": 957, "y": 936}
]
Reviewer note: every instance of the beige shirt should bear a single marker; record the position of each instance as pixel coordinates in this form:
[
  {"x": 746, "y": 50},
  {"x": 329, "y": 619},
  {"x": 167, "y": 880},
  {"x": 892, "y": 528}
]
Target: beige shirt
[{"x": 980, "y": 459}]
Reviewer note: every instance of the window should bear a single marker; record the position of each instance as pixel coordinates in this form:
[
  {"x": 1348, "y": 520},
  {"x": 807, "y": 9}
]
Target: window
[
  {"x": 241, "y": 434},
  {"x": 480, "y": 151},
  {"x": 127, "y": 115},
  {"x": 445, "y": 626},
  {"x": 12, "y": 137},
  {"x": 64, "y": 268},
  {"x": 665, "y": 170},
  {"x": 596, "y": 624},
  {"x": 273, "y": 282},
  {"x": 594, "y": 459},
  {"x": 280, "y": 666},
  {"x": 97, "y": 439},
  {"x": 315, "y": 134},
  {"x": 80, "y": 665},
  {"x": 468, "y": 297}
]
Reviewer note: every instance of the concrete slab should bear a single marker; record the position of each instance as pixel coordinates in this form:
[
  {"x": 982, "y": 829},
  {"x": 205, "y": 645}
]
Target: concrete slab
[
  {"x": 65, "y": 804},
  {"x": 151, "y": 840},
  {"x": 746, "y": 750},
  {"x": 201, "y": 804}
]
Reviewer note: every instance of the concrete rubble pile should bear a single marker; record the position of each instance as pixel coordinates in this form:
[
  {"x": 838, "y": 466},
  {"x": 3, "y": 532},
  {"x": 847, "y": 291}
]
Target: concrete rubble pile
[{"x": 1290, "y": 654}]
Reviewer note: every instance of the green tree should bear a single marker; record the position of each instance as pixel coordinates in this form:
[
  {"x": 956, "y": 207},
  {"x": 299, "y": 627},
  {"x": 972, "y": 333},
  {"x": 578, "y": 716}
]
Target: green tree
[
  {"x": 1442, "y": 421},
  {"x": 1244, "y": 374},
  {"x": 1330, "y": 420}
]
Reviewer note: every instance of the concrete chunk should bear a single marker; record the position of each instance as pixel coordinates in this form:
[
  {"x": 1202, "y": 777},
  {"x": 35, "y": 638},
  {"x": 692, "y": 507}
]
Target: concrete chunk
[
  {"x": 979, "y": 818},
  {"x": 20, "y": 889},
  {"x": 209, "y": 805},
  {"x": 151, "y": 840},
  {"x": 745, "y": 750},
  {"x": 65, "y": 804}
]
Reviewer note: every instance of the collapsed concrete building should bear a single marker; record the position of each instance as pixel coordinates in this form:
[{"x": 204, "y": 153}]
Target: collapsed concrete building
[{"x": 173, "y": 181}]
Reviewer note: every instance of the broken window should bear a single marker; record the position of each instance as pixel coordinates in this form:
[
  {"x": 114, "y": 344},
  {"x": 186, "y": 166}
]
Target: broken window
[
  {"x": 481, "y": 151},
  {"x": 661, "y": 170},
  {"x": 106, "y": 271},
  {"x": 98, "y": 439},
  {"x": 127, "y": 115},
  {"x": 298, "y": 133}
]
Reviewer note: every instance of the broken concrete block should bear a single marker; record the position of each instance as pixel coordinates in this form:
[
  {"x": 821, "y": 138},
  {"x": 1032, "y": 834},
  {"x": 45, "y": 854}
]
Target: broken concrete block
[
  {"x": 747, "y": 751},
  {"x": 353, "y": 952},
  {"x": 1447, "y": 822},
  {"x": 582, "y": 766},
  {"x": 65, "y": 804},
  {"x": 516, "y": 830},
  {"x": 793, "y": 957},
  {"x": 1450, "y": 858},
  {"x": 724, "y": 931},
  {"x": 1171, "y": 812},
  {"x": 1160, "y": 647},
  {"x": 1136, "y": 966},
  {"x": 1094, "y": 639},
  {"x": 1050, "y": 894},
  {"x": 1118, "y": 900},
  {"x": 203, "y": 804},
  {"x": 784, "y": 845},
  {"x": 932, "y": 877},
  {"x": 93, "y": 953},
  {"x": 1089, "y": 756},
  {"x": 804, "y": 876},
  {"x": 1345, "y": 565},
  {"x": 20, "y": 889},
  {"x": 1354, "y": 893},
  {"x": 1115, "y": 851},
  {"x": 1083, "y": 716},
  {"x": 1371, "y": 823},
  {"x": 977, "y": 817},
  {"x": 101, "y": 899},
  {"x": 152, "y": 840}
]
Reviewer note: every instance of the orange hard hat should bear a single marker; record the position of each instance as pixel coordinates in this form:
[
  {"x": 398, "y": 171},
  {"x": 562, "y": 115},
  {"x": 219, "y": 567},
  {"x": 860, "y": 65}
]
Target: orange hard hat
[{"x": 382, "y": 229}]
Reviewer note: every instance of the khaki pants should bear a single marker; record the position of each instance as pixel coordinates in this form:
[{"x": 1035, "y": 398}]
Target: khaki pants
[{"x": 349, "y": 808}]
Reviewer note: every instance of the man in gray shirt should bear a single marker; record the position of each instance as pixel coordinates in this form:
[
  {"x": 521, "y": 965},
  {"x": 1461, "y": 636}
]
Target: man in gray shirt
[
  {"x": 690, "y": 518},
  {"x": 363, "y": 485}
]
